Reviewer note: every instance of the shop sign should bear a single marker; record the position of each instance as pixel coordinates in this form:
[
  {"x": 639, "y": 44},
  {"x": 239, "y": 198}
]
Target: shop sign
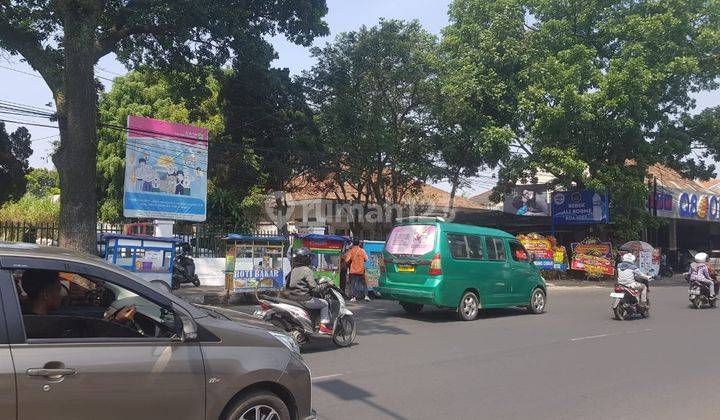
[
  {"x": 593, "y": 256},
  {"x": 697, "y": 206},
  {"x": 579, "y": 207}
]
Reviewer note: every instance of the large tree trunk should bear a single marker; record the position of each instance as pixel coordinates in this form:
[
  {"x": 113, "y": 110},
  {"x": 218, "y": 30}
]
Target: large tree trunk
[
  {"x": 453, "y": 191},
  {"x": 76, "y": 158}
]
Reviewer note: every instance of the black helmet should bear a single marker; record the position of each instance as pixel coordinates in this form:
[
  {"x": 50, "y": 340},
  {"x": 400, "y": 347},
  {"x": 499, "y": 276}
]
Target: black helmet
[{"x": 302, "y": 258}]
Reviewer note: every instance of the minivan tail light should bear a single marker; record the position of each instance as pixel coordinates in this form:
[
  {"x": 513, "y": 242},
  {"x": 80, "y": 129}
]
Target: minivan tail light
[
  {"x": 435, "y": 266},
  {"x": 381, "y": 264}
]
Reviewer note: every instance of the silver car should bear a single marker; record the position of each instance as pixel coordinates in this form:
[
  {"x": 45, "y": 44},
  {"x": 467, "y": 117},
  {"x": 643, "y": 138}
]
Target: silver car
[{"x": 82, "y": 339}]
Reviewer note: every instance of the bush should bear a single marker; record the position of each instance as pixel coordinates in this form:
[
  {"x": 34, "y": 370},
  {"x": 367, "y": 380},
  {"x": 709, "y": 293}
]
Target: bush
[{"x": 31, "y": 209}]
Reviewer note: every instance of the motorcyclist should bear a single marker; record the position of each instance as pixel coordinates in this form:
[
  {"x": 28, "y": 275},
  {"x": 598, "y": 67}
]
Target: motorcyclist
[
  {"x": 302, "y": 287},
  {"x": 699, "y": 272},
  {"x": 629, "y": 273}
]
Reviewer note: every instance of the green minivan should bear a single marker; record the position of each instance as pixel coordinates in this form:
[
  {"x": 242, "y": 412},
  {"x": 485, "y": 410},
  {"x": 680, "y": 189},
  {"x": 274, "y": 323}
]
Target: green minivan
[{"x": 427, "y": 261}]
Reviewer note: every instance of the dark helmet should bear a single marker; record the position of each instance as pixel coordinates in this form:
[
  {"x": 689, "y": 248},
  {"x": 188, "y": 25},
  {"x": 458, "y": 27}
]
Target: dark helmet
[{"x": 302, "y": 258}]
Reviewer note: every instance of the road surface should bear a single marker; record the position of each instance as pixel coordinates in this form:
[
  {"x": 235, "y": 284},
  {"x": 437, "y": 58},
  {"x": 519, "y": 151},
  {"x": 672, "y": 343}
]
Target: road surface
[{"x": 573, "y": 362}]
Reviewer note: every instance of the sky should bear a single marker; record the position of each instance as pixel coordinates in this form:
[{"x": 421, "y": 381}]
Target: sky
[{"x": 21, "y": 84}]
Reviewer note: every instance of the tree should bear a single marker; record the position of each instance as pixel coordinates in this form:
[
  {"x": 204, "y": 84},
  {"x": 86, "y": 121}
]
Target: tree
[
  {"x": 269, "y": 119},
  {"x": 63, "y": 40},
  {"x": 371, "y": 91},
  {"x": 15, "y": 150},
  {"x": 599, "y": 89},
  {"x": 42, "y": 182}
]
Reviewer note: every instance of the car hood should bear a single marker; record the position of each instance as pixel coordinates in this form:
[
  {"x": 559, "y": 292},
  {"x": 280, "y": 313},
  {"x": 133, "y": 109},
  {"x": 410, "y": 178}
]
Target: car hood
[{"x": 240, "y": 317}]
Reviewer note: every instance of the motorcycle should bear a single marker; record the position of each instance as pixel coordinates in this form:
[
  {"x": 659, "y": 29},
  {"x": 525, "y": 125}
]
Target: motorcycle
[
  {"x": 302, "y": 323},
  {"x": 625, "y": 301},
  {"x": 699, "y": 294},
  {"x": 184, "y": 268},
  {"x": 666, "y": 271}
]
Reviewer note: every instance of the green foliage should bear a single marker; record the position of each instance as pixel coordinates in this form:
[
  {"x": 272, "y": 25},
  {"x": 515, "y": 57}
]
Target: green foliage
[
  {"x": 42, "y": 182},
  {"x": 31, "y": 209},
  {"x": 14, "y": 153},
  {"x": 63, "y": 40},
  {"x": 268, "y": 123},
  {"x": 595, "y": 92},
  {"x": 372, "y": 92}
]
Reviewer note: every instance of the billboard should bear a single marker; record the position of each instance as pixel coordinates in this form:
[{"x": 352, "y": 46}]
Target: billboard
[
  {"x": 527, "y": 200},
  {"x": 165, "y": 170},
  {"x": 579, "y": 207}
]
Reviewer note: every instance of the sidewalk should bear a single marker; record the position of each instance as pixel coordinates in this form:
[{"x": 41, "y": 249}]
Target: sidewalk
[
  {"x": 212, "y": 295},
  {"x": 676, "y": 280}
]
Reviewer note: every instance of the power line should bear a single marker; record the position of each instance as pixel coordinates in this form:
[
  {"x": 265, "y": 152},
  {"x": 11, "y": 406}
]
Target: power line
[{"x": 40, "y": 77}]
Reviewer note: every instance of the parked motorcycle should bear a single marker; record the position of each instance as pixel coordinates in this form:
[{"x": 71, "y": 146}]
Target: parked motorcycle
[
  {"x": 625, "y": 301},
  {"x": 699, "y": 294},
  {"x": 184, "y": 267},
  {"x": 302, "y": 323},
  {"x": 666, "y": 270}
]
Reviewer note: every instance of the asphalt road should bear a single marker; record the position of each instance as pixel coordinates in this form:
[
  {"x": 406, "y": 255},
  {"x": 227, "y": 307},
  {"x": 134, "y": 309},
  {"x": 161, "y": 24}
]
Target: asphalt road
[{"x": 573, "y": 362}]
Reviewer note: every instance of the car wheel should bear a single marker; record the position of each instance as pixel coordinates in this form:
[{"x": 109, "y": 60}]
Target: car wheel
[
  {"x": 411, "y": 308},
  {"x": 469, "y": 307},
  {"x": 538, "y": 300},
  {"x": 258, "y": 405}
]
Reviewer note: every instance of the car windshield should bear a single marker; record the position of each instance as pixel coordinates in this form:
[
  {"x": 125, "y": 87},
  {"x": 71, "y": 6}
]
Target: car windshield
[{"x": 413, "y": 240}]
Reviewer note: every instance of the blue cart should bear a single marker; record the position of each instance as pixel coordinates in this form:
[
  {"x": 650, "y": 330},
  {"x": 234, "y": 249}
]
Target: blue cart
[{"x": 147, "y": 256}]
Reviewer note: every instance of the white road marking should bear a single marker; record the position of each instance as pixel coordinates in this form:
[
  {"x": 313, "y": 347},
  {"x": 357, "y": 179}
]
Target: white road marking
[
  {"x": 590, "y": 337},
  {"x": 322, "y": 378}
]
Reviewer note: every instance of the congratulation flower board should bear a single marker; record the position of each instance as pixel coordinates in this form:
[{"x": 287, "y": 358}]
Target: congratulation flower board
[
  {"x": 593, "y": 256},
  {"x": 547, "y": 254}
]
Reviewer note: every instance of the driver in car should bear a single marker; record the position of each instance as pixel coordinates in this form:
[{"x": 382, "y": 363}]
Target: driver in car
[{"x": 43, "y": 291}]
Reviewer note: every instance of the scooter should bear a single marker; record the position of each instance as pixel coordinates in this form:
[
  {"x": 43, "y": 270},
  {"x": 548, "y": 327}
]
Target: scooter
[
  {"x": 699, "y": 294},
  {"x": 184, "y": 268},
  {"x": 302, "y": 323},
  {"x": 625, "y": 301}
]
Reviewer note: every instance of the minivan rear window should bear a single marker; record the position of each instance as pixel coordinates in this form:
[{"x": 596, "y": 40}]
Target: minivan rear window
[{"x": 411, "y": 240}]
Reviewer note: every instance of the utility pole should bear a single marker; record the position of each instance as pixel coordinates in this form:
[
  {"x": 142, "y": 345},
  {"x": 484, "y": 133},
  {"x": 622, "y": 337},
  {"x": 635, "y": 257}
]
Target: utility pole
[{"x": 655, "y": 196}]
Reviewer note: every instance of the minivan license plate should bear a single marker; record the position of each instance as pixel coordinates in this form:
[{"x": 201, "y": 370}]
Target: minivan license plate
[{"x": 406, "y": 269}]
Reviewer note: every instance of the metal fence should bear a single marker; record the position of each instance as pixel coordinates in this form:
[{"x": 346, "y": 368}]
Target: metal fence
[{"x": 206, "y": 240}]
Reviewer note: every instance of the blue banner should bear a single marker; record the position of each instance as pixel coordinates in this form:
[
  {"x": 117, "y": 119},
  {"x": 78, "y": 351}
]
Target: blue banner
[
  {"x": 165, "y": 170},
  {"x": 579, "y": 207}
]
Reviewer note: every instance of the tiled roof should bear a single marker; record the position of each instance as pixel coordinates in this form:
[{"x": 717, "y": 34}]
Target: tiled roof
[
  {"x": 672, "y": 179},
  {"x": 327, "y": 191}
]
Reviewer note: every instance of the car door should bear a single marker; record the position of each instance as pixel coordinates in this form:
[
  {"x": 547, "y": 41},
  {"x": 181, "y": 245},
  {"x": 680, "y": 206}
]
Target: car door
[
  {"x": 523, "y": 272},
  {"x": 99, "y": 377},
  {"x": 498, "y": 271},
  {"x": 8, "y": 400}
]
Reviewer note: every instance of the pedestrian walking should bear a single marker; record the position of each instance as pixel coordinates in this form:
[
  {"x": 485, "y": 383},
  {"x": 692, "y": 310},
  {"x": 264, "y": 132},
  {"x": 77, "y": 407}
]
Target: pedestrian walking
[{"x": 356, "y": 258}]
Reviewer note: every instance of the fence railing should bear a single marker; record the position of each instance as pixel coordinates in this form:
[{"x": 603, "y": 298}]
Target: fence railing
[{"x": 205, "y": 240}]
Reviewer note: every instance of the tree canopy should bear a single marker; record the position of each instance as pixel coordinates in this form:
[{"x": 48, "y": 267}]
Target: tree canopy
[
  {"x": 63, "y": 40},
  {"x": 15, "y": 149},
  {"x": 595, "y": 92}
]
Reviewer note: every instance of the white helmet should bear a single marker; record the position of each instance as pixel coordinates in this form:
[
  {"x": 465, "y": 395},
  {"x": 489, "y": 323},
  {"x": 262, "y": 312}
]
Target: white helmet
[
  {"x": 700, "y": 257},
  {"x": 630, "y": 258}
]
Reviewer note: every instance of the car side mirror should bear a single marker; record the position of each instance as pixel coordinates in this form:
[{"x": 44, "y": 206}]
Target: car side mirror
[{"x": 189, "y": 328}]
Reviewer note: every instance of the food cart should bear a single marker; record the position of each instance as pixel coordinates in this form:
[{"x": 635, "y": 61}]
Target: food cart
[
  {"x": 374, "y": 250},
  {"x": 149, "y": 257},
  {"x": 255, "y": 263},
  {"x": 326, "y": 252}
]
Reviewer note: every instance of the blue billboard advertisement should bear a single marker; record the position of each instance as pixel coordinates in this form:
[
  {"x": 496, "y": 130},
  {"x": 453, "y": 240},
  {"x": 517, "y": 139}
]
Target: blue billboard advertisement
[
  {"x": 165, "y": 170},
  {"x": 582, "y": 207}
]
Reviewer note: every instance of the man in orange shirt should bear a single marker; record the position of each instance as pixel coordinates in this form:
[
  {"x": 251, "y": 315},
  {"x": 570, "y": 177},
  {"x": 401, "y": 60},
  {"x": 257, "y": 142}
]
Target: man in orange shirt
[{"x": 356, "y": 258}]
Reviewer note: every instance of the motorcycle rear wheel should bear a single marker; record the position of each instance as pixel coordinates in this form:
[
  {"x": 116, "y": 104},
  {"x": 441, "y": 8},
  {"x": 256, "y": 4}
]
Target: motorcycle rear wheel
[{"x": 620, "y": 312}]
